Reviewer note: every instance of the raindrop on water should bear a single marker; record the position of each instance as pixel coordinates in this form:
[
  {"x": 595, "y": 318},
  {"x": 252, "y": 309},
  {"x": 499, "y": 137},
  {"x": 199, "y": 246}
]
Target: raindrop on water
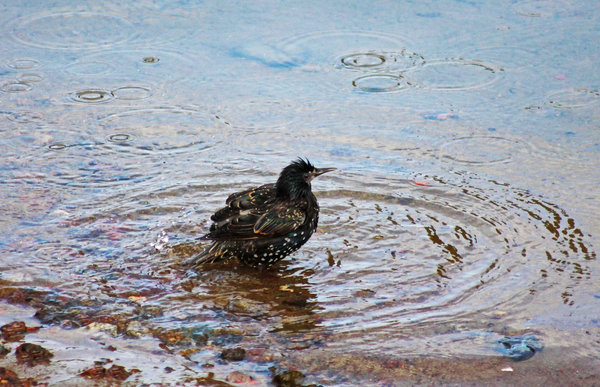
[
  {"x": 363, "y": 60},
  {"x": 23, "y": 64},
  {"x": 57, "y": 146},
  {"x": 73, "y": 30},
  {"x": 120, "y": 138},
  {"x": 92, "y": 96},
  {"x": 455, "y": 74},
  {"x": 379, "y": 83},
  {"x": 132, "y": 92},
  {"x": 29, "y": 78},
  {"x": 15, "y": 87},
  {"x": 573, "y": 98}
]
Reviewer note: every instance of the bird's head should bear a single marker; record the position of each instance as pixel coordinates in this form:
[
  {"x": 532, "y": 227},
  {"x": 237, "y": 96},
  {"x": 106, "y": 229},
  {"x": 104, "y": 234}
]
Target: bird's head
[{"x": 294, "y": 180}]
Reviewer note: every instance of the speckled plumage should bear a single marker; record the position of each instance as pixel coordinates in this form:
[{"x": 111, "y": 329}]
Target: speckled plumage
[{"x": 262, "y": 225}]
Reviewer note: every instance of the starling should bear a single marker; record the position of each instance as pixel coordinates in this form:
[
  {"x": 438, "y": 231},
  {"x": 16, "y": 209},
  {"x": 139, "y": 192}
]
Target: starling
[{"x": 262, "y": 225}]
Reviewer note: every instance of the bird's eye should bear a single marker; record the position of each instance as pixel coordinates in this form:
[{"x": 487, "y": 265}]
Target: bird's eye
[{"x": 305, "y": 175}]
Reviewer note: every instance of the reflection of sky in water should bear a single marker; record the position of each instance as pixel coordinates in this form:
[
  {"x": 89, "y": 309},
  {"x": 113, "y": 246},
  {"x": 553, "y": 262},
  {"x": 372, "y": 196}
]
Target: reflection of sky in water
[{"x": 464, "y": 207}]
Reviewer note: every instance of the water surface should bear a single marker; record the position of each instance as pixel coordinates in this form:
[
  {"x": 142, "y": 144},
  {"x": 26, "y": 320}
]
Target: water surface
[{"x": 464, "y": 209}]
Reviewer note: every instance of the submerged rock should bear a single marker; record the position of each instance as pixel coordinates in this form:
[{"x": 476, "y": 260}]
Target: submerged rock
[
  {"x": 16, "y": 330},
  {"x": 8, "y": 377},
  {"x": 3, "y": 351},
  {"x": 520, "y": 348},
  {"x": 290, "y": 378},
  {"x": 115, "y": 372},
  {"x": 233, "y": 354},
  {"x": 32, "y": 354},
  {"x": 13, "y": 331},
  {"x": 240, "y": 378},
  {"x": 135, "y": 329}
]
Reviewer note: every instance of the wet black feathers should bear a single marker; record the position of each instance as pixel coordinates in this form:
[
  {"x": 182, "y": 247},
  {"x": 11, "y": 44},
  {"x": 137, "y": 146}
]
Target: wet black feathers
[
  {"x": 262, "y": 225},
  {"x": 255, "y": 214}
]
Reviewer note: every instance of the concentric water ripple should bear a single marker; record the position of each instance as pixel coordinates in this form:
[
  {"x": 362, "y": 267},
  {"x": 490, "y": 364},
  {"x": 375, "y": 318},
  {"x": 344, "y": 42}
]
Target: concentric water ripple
[
  {"x": 363, "y": 60},
  {"x": 455, "y": 74},
  {"x": 87, "y": 68},
  {"x": 155, "y": 65},
  {"x": 131, "y": 93},
  {"x": 127, "y": 92},
  {"x": 73, "y": 30},
  {"x": 258, "y": 113},
  {"x": 120, "y": 138},
  {"x": 382, "y": 61},
  {"x": 22, "y": 117},
  {"x": 440, "y": 255},
  {"x": 15, "y": 87},
  {"x": 32, "y": 146},
  {"x": 398, "y": 262},
  {"x": 328, "y": 48},
  {"x": 165, "y": 129},
  {"x": 507, "y": 56},
  {"x": 480, "y": 150},
  {"x": 23, "y": 64},
  {"x": 573, "y": 98},
  {"x": 380, "y": 83},
  {"x": 29, "y": 78},
  {"x": 92, "y": 96},
  {"x": 540, "y": 8}
]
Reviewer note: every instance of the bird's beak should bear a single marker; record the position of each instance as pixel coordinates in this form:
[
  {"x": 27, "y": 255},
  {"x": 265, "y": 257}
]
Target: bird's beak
[{"x": 320, "y": 171}]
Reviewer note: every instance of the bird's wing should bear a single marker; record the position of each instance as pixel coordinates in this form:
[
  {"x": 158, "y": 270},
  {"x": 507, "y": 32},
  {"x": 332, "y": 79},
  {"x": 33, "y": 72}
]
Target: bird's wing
[
  {"x": 279, "y": 220},
  {"x": 246, "y": 200},
  {"x": 254, "y": 214},
  {"x": 252, "y": 197}
]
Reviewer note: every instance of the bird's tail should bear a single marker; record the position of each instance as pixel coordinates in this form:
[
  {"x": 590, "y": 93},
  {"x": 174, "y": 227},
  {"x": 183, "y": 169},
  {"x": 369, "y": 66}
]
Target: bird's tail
[{"x": 211, "y": 254}]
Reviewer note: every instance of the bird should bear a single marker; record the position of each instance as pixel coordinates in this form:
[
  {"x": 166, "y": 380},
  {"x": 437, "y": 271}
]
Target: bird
[{"x": 262, "y": 225}]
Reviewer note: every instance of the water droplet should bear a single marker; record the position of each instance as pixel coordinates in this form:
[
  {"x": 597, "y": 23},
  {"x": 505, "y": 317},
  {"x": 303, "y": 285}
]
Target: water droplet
[
  {"x": 379, "y": 83},
  {"x": 363, "y": 60},
  {"x": 23, "y": 64},
  {"x": 326, "y": 48},
  {"x": 388, "y": 61},
  {"x": 92, "y": 96},
  {"x": 30, "y": 78},
  {"x": 132, "y": 92},
  {"x": 15, "y": 87},
  {"x": 57, "y": 146},
  {"x": 120, "y": 138}
]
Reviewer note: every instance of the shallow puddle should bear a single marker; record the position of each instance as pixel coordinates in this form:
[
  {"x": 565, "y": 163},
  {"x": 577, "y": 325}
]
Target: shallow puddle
[{"x": 457, "y": 242}]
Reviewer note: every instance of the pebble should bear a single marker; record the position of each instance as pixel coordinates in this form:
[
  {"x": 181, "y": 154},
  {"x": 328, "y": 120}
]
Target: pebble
[
  {"x": 32, "y": 354},
  {"x": 136, "y": 329},
  {"x": 103, "y": 327},
  {"x": 14, "y": 331},
  {"x": 233, "y": 354},
  {"x": 115, "y": 372},
  {"x": 240, "y": 378},
  {"x": 290, "y": 378}
]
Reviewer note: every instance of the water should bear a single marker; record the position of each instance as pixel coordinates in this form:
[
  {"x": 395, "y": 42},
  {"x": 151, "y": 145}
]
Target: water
[{"x": 464, "y": 208}]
